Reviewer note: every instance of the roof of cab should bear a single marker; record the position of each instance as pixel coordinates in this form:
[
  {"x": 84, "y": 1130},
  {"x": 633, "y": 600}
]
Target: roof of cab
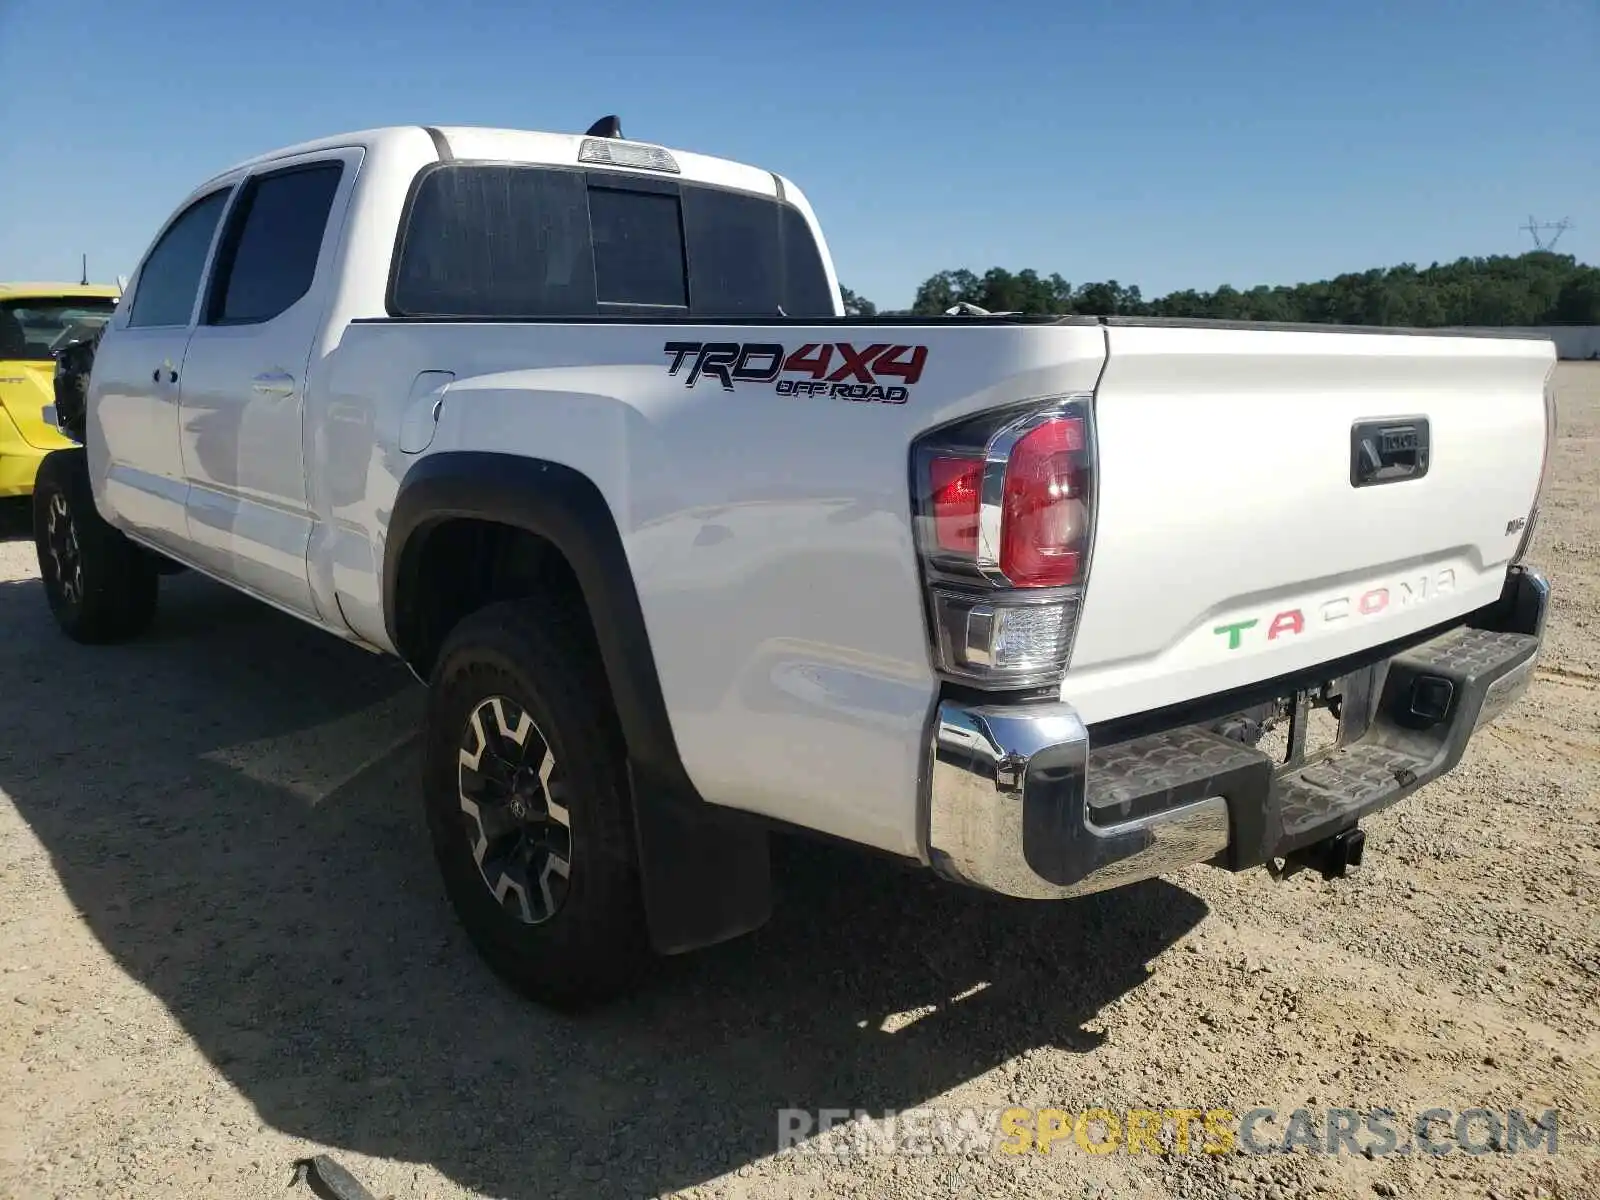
[
  {"x": 58, "y": 291},
  {"x": 471, "y": 142}
]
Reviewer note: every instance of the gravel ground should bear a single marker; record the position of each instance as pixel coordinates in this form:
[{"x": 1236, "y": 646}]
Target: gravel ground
[{"x": 222, "y": 948}]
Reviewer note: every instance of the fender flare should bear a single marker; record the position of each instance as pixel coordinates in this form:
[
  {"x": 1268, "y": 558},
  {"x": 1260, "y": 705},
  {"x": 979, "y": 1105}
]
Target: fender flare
[
  {"x": 566, "y": 509},
  {"x": 704, "y": 870}
]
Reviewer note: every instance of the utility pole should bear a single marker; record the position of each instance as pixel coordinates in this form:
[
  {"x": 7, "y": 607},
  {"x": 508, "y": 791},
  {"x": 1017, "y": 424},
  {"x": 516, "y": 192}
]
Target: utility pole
[{"x": 1537, "y": 229}]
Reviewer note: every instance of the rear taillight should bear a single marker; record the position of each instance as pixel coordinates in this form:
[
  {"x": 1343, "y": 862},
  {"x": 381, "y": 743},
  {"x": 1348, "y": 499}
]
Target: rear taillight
[
  {"x": 1544, "y": 466},
  {"x": 1005, "y": 514}
]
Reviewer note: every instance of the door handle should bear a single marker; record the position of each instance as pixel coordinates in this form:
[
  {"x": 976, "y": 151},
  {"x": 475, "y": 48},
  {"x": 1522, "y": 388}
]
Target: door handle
[
  {"x": 172, "y": 374},
  {"x": 274, "y": 383}
]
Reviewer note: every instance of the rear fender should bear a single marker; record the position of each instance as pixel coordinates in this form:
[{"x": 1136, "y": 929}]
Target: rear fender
[{"x": 703, "y": 869}]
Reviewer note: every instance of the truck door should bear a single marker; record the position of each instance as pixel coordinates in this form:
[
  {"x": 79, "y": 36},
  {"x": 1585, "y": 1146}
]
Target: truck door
[
  {"x": 243, "y": 403},
  {"x": 133, "y": 436}
]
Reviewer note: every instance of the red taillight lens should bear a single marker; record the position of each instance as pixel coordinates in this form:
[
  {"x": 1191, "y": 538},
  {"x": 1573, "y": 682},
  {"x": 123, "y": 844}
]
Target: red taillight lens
[
  {"x": 1046, "y": 514},
  {"x": 955, "y": 484}
]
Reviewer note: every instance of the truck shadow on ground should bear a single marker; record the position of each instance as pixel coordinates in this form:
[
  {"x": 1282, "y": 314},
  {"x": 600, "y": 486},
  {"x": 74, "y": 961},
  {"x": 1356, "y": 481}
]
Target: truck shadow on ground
[
  {"x": 16, "y": 519},
  {"x": 230, "y": 804}
]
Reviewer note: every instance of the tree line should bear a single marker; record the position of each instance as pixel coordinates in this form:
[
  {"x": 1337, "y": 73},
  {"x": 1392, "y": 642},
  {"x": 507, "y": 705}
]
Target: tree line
[{"x": 1536, "y": 288}]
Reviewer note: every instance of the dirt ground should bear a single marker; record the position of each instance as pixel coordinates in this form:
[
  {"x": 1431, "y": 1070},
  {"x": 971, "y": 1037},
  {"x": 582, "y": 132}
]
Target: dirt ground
[{"x": 223, "y": 948}]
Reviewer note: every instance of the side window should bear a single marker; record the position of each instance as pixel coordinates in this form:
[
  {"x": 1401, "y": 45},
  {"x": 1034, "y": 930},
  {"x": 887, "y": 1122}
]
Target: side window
[
  {"x": 496, "y": 241},
  {"x": 638, "y": 248},
  {"x": 269, "y": 254},
  {"x": 170, "y": 278}
]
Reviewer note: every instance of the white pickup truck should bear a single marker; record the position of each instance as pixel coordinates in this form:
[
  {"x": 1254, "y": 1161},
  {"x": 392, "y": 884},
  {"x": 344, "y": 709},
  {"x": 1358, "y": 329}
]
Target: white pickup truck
[{"x": 573, "y": 426}]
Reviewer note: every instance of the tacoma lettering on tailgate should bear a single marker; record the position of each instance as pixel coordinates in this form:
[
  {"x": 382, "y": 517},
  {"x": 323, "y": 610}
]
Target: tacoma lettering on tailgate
[
  {"x": 1291, "y": 622},
  {"x": 838, "y": 370}
]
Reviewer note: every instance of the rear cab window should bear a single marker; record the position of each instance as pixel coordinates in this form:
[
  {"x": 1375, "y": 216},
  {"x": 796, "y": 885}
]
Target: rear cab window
[{"x": 501, "y": 240}]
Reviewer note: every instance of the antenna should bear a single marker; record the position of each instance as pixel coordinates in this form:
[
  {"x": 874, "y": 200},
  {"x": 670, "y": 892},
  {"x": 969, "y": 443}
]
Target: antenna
[
  {"x": 85, "y": 280},
  {"x": 606, "y": 127},
  {"x": 1536, "y": 230}
]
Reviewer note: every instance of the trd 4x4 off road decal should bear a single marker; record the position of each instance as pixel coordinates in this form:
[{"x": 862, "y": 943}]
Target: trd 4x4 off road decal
[{"x": 838, "y": 370}]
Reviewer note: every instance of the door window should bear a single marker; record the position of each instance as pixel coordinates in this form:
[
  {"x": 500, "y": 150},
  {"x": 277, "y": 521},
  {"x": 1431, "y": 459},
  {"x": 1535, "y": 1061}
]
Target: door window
[
  {"x": 170, "y": 278},
  {"x": 269, "y": 255}
]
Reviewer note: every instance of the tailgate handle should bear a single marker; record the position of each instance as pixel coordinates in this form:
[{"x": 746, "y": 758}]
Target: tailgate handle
[{"x": 1388, "y": 451}]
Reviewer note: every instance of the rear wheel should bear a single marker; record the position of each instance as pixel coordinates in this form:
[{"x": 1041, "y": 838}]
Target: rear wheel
[
  {"x": 527, "y": 803},
  {"x": 101, "y": 587}
]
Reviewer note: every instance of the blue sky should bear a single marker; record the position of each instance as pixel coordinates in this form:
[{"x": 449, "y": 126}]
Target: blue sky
[{"x": 1158, "y": 142}]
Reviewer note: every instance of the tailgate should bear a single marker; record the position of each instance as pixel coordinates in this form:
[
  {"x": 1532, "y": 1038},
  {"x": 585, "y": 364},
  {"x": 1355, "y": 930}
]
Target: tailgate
[{"x": 1255, "y": 514}]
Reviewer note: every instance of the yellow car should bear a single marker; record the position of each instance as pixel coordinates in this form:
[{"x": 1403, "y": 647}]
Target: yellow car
[{"x": 36, "y": 320}]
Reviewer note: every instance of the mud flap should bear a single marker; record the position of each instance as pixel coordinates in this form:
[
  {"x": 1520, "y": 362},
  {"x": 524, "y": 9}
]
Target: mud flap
[{"x": 705, "y": 873}]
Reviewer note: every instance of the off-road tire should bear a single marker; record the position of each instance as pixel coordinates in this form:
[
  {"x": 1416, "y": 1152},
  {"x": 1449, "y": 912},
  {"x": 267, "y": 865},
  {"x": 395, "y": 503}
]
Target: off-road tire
[
  {"x": 538, "y": 654},
  {"x": 101, "y": 586}
]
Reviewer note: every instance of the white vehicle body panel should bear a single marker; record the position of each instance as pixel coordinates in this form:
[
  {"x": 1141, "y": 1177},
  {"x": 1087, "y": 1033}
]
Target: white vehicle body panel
[{"x": 135, "y": 462}]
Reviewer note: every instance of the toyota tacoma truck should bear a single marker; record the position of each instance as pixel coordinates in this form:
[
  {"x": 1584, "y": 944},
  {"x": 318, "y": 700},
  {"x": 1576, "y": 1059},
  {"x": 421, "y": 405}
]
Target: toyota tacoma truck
[{"x": 574, "y": 426}]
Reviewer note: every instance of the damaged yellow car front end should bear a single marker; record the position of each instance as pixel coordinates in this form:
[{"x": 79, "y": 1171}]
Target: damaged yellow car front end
[{"x": 36, "y": 321}]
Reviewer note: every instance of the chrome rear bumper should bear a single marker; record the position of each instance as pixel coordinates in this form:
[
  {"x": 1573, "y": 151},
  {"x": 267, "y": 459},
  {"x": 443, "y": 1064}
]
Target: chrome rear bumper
[
  {"x": 995, "y": 768},
  {"x": 1020, "y": 804}
]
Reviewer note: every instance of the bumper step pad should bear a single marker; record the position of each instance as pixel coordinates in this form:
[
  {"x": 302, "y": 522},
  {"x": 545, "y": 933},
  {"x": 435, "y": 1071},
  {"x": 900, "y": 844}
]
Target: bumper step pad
[
  {"x": 1466, "y": 652},
  {"x": 1363, "y": 776},
  {"x": 1163, "y": 770}
]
